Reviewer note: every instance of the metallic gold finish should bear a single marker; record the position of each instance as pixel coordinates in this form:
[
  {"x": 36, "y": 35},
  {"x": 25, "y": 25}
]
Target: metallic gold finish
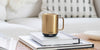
[{"x": 50, "y": 23}]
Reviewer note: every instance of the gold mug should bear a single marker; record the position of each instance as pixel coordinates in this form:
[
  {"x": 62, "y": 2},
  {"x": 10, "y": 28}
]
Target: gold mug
[{"x": 50, "y": 24}]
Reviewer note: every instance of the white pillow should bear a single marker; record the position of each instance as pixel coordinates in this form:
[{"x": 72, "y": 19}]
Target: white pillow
[
  {"x": 23, "y": 8},
  {"x": 2, "y": 13},
  {"x": 71, "y": 8},
  {"x": 97, "y": 6},
  {"x": 95, "y": 35},
  {"x": 3, "y": 4}
]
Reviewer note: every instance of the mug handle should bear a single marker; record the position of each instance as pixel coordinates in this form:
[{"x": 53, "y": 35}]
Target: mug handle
[{"x": 63, "y": 24}]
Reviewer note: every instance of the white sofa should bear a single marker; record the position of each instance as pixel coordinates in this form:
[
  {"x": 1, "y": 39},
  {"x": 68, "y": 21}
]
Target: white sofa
[{"x": 20, "y": 21}]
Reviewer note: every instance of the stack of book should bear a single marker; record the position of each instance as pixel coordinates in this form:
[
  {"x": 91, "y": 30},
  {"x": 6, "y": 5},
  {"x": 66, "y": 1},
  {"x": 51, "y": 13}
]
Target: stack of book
[{"x": 37, "y": 41}]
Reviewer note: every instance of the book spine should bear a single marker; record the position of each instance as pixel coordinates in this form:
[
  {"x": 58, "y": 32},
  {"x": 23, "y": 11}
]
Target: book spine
[
  {"x": 68, "y": 47},
  {"x": 77, "y": 39}
]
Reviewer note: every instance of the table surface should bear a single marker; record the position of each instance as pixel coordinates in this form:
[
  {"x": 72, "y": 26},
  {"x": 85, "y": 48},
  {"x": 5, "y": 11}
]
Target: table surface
[{"x": 22, "y": 46}]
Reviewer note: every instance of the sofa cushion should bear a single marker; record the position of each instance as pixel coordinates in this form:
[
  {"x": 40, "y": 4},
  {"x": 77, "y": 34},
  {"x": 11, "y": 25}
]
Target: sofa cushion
[
  {"x": 71, "y": 8},
  {"x": 3, "y": 4},
  {"x": 2, "y": 13},
  {"x": 97, "y": 6},
  {"x": 14, "y": 30},
  {"x": 72, "y": 25},
  {"x": 80, "y": 25},
  {"x": 94, "y": 35},
  {"x": 29, "y": 22},
  {"x": 23, "y": 8}
]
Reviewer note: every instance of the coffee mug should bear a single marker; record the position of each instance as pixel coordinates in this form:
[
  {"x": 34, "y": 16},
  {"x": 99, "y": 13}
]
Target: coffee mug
[{"x": 50, "y": 24}]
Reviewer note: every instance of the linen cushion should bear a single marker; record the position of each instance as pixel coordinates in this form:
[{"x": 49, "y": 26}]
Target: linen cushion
[
  {"x": 3, "y": 4},
  {"x": 94, "y": 35},
  {"x": 80, "y": 25},
  {"x": 97, "y": 6},
  {"x": 71, "y": 8},
  {"x": 34, "y": 23},
  {"x": 23, "y": 8}
]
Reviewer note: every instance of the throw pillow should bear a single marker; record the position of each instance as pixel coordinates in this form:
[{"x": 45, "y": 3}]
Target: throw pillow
[
  {"x": 94, "y": 35},
  {"x": 23, "y": 8},
  {"x": 71, "y": 8},
  {"x": 3, "y": 4}
]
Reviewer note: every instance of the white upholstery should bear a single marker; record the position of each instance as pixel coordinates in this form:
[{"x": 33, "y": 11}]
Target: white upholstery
[
  {"x": 97, "y": 6},
  {"x": 23, "y": 8},
  {"x": 29, "y": 22},
  {"x": 80, "y": 25},
  {"x": 3, "y": 4},
  {"x": 2, "y": 13},
  {"x": 94, "y": 35},
  {"x": 71, "y": 8}
]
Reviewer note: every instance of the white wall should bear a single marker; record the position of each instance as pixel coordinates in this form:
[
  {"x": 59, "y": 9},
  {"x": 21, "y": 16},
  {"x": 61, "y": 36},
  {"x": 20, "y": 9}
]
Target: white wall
[{"x": 97, "y": 6}]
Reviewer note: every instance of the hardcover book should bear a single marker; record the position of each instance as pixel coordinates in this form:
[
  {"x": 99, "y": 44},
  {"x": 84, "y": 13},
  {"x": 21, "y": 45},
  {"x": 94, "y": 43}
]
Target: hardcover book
[{"x": 61, "y": 38}]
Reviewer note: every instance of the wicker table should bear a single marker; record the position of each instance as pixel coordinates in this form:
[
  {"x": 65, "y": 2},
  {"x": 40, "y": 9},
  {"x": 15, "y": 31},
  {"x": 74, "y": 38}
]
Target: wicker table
[{"x": 22, "y": 46}]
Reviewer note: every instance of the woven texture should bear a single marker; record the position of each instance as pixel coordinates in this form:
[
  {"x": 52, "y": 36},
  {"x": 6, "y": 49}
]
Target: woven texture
[{"x": 71, "y": 8}]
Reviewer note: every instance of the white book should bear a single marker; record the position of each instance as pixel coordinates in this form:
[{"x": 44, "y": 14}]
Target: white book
[
  {"x": 5, "y": 43},
  {"x": 61, "y": 38},
  {"x": 27, "y": 40}
]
